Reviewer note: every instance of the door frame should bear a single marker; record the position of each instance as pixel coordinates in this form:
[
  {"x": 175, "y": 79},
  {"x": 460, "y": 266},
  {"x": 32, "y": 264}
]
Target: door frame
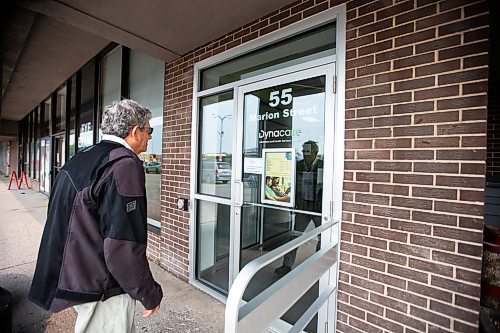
[{"x": 337, "y": 14}]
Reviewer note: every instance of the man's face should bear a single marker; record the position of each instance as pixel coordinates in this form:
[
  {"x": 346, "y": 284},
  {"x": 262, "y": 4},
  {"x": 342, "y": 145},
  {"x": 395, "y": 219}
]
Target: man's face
[
  {"x": 308, "y": 153},
  {"x": 145, "y": 136}
]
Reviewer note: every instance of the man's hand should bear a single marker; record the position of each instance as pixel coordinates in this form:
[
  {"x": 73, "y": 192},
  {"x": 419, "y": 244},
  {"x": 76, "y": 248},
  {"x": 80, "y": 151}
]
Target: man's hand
[{"x": 148, "y": 313}]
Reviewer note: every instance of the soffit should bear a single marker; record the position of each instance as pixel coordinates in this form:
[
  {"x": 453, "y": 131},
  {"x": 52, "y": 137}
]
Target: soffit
[{"x": 65, "y": 34}]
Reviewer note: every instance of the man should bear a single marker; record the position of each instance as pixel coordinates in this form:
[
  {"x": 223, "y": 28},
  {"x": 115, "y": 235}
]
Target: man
[
  {"x": 93, "y": 250},
  {"x": 309, "y": 196}
]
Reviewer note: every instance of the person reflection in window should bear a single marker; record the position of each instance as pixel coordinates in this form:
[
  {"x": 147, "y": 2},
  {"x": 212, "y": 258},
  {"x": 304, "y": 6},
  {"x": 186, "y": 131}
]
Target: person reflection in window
[
  {"x": 271, "y": 194},
  {"x": 309, "y": 196}
]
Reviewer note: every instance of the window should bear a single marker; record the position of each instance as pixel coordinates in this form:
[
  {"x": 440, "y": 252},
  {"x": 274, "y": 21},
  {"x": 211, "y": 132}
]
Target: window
[
  {"x": 86, "y": 132},
  {"x": 146, "y": 87}
]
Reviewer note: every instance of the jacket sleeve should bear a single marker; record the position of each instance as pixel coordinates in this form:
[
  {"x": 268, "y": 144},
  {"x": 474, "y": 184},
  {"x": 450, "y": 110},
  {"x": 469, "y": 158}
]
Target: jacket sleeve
[{"x": 123, "y": 214}]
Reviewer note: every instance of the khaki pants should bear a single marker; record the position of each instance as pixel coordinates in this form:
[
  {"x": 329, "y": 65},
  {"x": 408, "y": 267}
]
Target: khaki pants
[{"x": 115, "y": 315}]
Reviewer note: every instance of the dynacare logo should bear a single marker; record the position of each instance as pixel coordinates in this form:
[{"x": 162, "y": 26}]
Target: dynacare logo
[{"x": 279, "y": 133}]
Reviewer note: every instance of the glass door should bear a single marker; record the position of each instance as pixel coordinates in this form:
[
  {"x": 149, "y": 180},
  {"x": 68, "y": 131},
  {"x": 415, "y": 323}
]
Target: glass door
[
  {"x": 285, "y": 162},
  {"x": 264, "y": 176}
]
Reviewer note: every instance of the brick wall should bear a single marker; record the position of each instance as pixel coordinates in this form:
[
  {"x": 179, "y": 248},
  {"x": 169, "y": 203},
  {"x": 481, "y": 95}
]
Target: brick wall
[
  {"x": 411, "y": 233},
  {"x": 415, "y": 154}
]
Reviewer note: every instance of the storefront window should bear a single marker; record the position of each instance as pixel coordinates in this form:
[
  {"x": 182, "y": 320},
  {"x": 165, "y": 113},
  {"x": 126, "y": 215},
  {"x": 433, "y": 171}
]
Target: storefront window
[
  {"x": 111, "y": 76},
  {"x": 146, "y": 87},
  {"x": 86, "y": 135},
  {"x": 72, "y": 117},
  {"x": 60, "y": 121},
  {"x": 46, "y": 117}
]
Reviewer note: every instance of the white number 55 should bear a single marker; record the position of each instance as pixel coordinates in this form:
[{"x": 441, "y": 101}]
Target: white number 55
[{"x": 286, "y": 97}]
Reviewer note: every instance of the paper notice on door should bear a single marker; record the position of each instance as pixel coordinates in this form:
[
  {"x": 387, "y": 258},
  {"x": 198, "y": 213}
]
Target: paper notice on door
[{"x": 253, "y": 165}]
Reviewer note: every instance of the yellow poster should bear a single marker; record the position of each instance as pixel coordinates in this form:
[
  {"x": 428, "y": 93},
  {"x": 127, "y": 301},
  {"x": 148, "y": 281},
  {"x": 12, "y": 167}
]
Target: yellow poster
[{"x": 279, "y": 176}]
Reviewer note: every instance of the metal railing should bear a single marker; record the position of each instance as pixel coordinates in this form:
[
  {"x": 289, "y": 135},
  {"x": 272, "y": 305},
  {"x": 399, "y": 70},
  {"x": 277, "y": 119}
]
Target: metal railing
[{"x": 259, "y": 313}]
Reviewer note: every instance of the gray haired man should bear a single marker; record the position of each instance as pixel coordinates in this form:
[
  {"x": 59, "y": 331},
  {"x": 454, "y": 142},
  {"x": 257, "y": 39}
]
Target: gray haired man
[{"x": 93, "y": 250}]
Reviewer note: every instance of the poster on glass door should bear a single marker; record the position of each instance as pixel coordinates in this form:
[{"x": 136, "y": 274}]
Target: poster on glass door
[{"x": 279, "y": 176}]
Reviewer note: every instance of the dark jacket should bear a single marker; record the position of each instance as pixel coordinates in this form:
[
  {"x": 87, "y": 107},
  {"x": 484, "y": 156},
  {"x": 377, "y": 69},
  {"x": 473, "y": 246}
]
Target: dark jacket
[{"x": 94, "y": 242}]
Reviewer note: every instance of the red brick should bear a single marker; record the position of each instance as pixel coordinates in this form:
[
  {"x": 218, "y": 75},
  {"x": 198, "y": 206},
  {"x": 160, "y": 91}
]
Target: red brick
[
  {"x": 436, "y": 167},
  {"x": 439, "y": 67},
  {"x": 459, "y": 208},
  {"x": 413, "y": 107},
  {"x": 392, "y": 166},
  {"x": 389, "y": 234},
  {"x": 388, "y": 256},
  {"x": 463, "y": 76},
  {"x": 416, "y": 37},
  {"x": 362, "y": 326},
  {"x": 463, "y": 25},
  {"x": 375, "y": 48},
  {"x": 462, "y": 102},
  {"x": 431, "y": 242},
  {"x": 466, "y": 195},
  {"x": 470, "y": 250},
  {"x": 367, "y": 284},
  {"x": 476, "y": 61},
  {"x": 464, "y": 154},
  {"x": 374, "y": 27},
  {"x": 414, "y": 84},
  {"x": 353, "y": 228},
  {"x": 464, "y": 50},
  {"x": 368, "y": 306},
  {"x": 439, "y": 92},
  {"x": 406, "y": 296},
  {"x": 356, "y": 83},
  {"x": 464, "y": 235},
  {"x": 394, "y": 10},
  {"x": 390, "y": 189},
  {"x": 429, "y": 291},
  {"x": 394, "y": 76},
  {"x": 462, "y": 288},
  {"x": 435, "y": 142},
  {"x": 354, "y": 43},
  {"x": 372, "y": 199},
  {"x": 388, "y": 302},
  {"x": 391, "y": 212},
  {"x": 391, "y": 33},
  {"x": 374, "y": 111},
  {"x": 392, "y": 98},
  {"x": 416, "y": 60},
  {"x": 410, "y": 250},
  {"x": 468, "y": 276},
  {"x": 436, "y": 20},
  {"x": 392, "y": 121},
  {"x": 394, "y": 54},
  {"x": 370, "y": 242},
  {"x": 466, "y": 128},
  {"x": 434, "y": 192},
  {"x": 430, "y": 316},
  {"x": 437, "y": 44},
  {"x": 351, "y": 310},
  {"x": 387, "y": 325},
  {"x": 407, "y": 320},
  {"x": 413, "y": 154},
  {"x": 472, "y": 168},
  {"x": 357, "y": 165},
  {"x": 468, "y": 303},
  {"x": 393, "y": 143},
  {"x": 405, "y": 131},
  {"x": 413, "y": 179},
  {"x": 416, "y": 14},
  {"x": 371, "y": 220},
  {"x": 431, "y": 267},
  {"x": 374, "y": 133},
  {"x": 374, "y": 90}
]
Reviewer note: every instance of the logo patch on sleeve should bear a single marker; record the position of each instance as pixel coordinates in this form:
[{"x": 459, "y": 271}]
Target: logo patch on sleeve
[{"x": 132, "y": 205}]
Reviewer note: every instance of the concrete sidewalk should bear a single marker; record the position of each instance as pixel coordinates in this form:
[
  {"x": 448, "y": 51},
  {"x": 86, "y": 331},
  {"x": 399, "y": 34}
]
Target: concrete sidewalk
[{"x": 22, "y": 214}]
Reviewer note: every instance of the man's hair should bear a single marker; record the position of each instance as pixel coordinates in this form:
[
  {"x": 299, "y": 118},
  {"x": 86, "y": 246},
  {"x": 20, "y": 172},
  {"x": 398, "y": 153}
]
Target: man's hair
[
  {"x": 313, "y": 144},
  {"x": 120, "y": 117}
]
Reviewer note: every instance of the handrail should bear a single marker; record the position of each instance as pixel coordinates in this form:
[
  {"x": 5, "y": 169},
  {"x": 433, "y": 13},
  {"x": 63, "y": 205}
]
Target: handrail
[{"x": 262, "y": 310}]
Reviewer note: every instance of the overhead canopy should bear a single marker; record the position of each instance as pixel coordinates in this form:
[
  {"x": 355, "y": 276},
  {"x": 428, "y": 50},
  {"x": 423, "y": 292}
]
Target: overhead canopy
[{"x": 46, "y": 41}]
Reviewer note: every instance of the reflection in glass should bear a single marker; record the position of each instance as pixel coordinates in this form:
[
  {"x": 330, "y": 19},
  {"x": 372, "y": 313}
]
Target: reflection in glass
[
  {"x": 72, "y": 118},
  {"x": 311, "y": 45},
  {"x": 46, "y": 107},
  {"x": 284, "y": 117},
  {"x": 146, "y": 87},
  {"x": 215, "y": 148},
  {"x": 60, "y": 121},
  {"x": 86, "y": 134},
  {"x": 212, "y": 249}
]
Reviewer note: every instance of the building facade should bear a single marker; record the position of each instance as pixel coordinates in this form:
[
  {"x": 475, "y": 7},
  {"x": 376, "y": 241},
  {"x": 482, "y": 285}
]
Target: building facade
[{"x": 391, "y": 100}]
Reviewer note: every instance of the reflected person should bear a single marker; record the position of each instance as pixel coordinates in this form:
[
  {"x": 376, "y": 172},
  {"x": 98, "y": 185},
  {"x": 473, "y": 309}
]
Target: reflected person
[{"x": 308, "y": 197}]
